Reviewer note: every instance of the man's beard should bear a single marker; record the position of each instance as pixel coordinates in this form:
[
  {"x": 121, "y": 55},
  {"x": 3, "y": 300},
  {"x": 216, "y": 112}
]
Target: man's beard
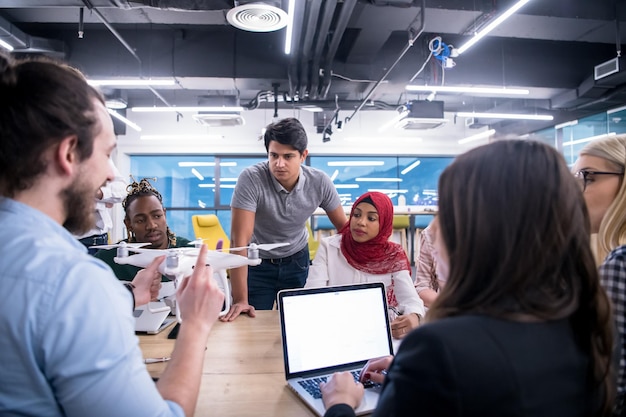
[{"x": 79, "y": 205}]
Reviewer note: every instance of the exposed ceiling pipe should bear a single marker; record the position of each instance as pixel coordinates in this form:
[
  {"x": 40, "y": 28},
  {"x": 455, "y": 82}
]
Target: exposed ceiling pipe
[
  {"x": 127, "y": 46},
  {"x": 292, "y": 70},
  {"x": 342, "y": 23},
  {"x": 413, "y": 35},
  {"x": 618, "y": 43},
  {"x": 112, "y": 30},
  {"x": 320, "y": 43},
  {"x": 312, "y": 14}
]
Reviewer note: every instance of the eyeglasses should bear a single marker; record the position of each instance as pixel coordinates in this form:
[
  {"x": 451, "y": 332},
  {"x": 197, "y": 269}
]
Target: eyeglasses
[{"x": 583, "y": 176}]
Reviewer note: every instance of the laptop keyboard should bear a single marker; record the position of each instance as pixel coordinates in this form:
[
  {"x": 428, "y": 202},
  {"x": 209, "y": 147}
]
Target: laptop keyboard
[{"x": 312, "y": 385}]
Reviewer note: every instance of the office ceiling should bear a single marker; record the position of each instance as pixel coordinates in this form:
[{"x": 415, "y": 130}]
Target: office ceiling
[{"x": 341, "y": 51}]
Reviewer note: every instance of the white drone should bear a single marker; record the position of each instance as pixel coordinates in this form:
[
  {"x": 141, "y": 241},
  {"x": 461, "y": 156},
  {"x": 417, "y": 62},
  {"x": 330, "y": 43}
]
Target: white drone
[{"x": 179, "y": 263}]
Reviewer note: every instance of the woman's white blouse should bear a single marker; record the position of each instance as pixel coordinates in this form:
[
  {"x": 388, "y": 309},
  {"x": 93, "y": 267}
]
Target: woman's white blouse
[{"x": 330, "y": 267}]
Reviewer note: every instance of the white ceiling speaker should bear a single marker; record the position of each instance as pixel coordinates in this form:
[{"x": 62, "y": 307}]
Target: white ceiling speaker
[{"x": 257, "y": 17}]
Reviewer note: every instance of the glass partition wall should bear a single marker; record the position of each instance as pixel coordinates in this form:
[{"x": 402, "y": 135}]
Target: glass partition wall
[{"x": 204, "y": 184}]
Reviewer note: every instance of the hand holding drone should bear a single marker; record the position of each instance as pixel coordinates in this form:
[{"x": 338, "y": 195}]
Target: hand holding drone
[{"x": 179, "y": 263}]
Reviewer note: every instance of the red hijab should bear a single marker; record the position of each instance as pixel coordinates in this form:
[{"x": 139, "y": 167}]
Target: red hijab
[{"x": 378, "y": 255}]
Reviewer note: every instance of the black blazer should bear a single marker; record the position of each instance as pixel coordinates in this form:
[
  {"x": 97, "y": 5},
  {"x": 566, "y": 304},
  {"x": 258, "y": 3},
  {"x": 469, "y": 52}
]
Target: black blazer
[{"x": 481, "y": 366}]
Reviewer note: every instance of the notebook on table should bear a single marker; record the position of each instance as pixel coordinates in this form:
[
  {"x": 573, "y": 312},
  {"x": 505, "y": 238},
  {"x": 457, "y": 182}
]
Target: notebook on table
[{"x": 330, "y": 329}]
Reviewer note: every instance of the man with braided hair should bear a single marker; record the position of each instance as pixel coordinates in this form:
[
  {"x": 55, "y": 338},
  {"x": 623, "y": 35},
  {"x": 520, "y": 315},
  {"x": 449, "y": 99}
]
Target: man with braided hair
[{"x": 145, "y": 223}]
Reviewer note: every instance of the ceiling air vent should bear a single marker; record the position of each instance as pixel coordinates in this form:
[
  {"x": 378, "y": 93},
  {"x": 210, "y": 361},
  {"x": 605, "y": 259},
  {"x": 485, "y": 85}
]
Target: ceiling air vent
[
  {"x": 219, "y": 119},
  {"x": 227, "y": 111},
  {"x": 423, "y": 115},
  {"x": 605, "y": 69},
  {"x": 257, "y": 17}
]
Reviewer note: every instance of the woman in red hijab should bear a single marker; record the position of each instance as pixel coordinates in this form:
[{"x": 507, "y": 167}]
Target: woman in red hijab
[{"x": 362, "y": 252}]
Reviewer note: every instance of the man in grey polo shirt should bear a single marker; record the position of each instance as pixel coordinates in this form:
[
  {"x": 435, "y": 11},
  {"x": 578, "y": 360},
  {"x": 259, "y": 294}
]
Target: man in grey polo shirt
[{"x": 271, "y": 203}]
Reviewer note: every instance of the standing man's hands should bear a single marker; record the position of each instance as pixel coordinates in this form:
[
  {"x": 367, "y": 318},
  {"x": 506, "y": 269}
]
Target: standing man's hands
[
  {"x": 147, "y": 282},
  {"x": 237, "y": 309}
]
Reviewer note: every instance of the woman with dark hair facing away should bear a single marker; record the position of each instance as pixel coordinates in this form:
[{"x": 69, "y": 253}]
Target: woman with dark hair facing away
[
  {"x": 362, "y": 252},
  {"x": 522, "y": 327}
]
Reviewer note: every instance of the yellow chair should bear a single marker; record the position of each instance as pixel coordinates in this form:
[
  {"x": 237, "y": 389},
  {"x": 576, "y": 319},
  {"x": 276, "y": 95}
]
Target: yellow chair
[
  {"x": 208, "y": 228},
  {"x": 313, "y": 244},
  {"x": 401, "y": 224}
]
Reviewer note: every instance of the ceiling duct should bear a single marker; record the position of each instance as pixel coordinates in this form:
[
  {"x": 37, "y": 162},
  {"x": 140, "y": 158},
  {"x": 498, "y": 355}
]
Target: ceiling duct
[
  {"x": 257, "y": 16},
  {"x": 423, "y": 115},
  {"x": 24, "y": 43},
  {"x": 227, "y": 113}
]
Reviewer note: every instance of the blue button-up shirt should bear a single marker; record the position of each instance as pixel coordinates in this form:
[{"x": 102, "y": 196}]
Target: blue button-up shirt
[{"x": 67, "y": 341}]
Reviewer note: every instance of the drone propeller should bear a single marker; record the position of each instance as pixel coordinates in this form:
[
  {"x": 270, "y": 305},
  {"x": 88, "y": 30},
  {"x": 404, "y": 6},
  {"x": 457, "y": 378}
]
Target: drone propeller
[
  {"x": 168, "y": 251},
  {"x": 121, "y": 245},
  {"x": 199, "y": 241},
  {"x": 262, "y": 246}
]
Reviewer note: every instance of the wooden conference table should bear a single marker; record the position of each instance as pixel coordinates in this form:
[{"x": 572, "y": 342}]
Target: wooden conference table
[{"x": 243, "y": 371}]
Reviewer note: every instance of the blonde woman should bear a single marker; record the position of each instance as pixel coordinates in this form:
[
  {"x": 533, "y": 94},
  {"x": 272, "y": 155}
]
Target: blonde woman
[{"x": 600, "y": 171}]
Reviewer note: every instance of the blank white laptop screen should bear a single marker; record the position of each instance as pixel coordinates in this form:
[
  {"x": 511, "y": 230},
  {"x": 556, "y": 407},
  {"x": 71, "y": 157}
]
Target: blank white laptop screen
[{"x": 333, "y": 327}]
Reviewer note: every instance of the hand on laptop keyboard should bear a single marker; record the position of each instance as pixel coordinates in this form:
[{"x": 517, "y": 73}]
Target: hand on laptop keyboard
[{"x": 312, "y": 385}]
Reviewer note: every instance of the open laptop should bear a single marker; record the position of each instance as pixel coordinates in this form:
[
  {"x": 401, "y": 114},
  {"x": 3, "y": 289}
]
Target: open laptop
[
  {"x": 152, "y": 322},
  {"x": 330, "y": 329}
]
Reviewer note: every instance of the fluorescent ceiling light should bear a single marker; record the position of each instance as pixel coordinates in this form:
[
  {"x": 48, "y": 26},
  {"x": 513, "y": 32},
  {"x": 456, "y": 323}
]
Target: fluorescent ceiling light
[
  {"x": 181, "y": 137},
  {"x": 355, "y": 163},
  {"x": 213, "y": 185},
  {"x": 233, "y": 179},
  {"x": 131, "y": 83},
  {"x": 124, "y": 120},
  {"x": 387, "y": 191},
  {"x": 478, "y": 136},
  {"x": 566, "y": 124},
  {"x": 362, "y": 179},
  {"x": 346, "y": 185},
  {"x": 491, "y": 26},
  {"x": 312, "y": 109},
  {"x": 616, "y": 110},
  {"x": 197, "y": 174},
  {"x": 289, "y": 31},
  {"x": 6, "y": 46},
  {"x": 379, "y": 139},
  {"x": 334, "y": 176},
  {"x": 215, "y": 109},
  {"x": 459, "y": 89},
  {"x": 206, "y": 164},
  {"x": 410, "y": 167},
  {"x": 518, "y": 116},
  {"x": 589, "y": 139}
]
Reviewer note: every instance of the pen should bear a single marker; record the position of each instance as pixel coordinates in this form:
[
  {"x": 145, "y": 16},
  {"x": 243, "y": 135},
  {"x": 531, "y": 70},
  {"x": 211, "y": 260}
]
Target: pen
[
  {"x": 156, "y": 360},
  {"x": 395, "y": 310}
]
